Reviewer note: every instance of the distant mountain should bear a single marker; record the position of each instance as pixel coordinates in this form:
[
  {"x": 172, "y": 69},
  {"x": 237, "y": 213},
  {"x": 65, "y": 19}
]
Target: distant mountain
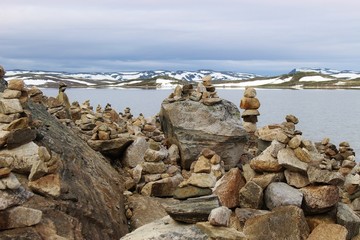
[{"x": 297, "y": 78}]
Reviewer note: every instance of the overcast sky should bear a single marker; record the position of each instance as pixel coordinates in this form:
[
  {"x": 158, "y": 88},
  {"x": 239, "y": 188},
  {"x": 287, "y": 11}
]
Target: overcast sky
[{"x": 257, "y": 36}]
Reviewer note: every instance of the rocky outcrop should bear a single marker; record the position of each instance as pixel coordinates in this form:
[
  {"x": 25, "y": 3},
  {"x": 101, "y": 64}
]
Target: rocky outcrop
[
  {"x": 53, "y": 185},
  {"x": 193, "y": 126}
]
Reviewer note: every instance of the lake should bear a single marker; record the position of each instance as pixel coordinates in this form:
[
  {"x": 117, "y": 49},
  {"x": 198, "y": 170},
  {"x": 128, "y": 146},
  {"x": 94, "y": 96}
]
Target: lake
[{"x": 322, "y": 113}]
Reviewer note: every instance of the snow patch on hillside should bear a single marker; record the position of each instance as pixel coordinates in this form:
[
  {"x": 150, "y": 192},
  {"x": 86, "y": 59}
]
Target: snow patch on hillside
[{"x": 315, "y": 79}]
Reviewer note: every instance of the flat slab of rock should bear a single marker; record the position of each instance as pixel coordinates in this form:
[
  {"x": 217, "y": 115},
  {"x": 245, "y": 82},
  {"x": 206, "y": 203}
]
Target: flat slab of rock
[
  {"x": 113, "y": 147},
  {"x": 266, "y": 162},
  {"x": 135, "y": 153},
  {"x": 287, "y": 222},
  {"x": 194, "y": 209},
  {"x": 193, "y": 126},
  {"x": 287, "y": 159},
  {"x": 317, "y": 175},
  {"x": 18, "y": 217},
  {"x": 296, "y": 179},
  {"x": 9, "y": 198},
  {"x": 223, "y": 233},
  {"x": 191, "y": 191},
  {"x": 166, "y": 228}
]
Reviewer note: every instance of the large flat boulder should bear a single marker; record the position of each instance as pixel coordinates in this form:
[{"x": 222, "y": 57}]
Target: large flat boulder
[{"x": 193, "y": 126}]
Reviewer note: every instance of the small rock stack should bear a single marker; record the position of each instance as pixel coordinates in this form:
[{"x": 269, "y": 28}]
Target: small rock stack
[
  {"x": 250, "y": 104},
  {"x": 152, "y": 169},
  {"x": 204, "y": 172},
  {"x": 204, "y": 93}
]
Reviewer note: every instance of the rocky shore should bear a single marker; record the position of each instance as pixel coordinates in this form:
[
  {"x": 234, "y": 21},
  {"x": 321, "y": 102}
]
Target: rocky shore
[{"x": 194, "y": 171}]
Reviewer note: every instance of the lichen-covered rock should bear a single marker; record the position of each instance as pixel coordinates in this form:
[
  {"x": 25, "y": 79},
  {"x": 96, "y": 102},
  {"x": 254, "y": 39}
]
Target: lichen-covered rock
[
  {"x": 193, "y": 126},
  {"x": 319, "y": 199}
]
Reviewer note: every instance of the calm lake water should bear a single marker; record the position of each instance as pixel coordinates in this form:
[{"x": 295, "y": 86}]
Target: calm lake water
[{"x": 322, "y": 113}]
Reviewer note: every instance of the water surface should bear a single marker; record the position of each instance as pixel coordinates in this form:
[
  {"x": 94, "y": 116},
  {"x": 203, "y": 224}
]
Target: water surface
[{"x": 322, "y": 113}]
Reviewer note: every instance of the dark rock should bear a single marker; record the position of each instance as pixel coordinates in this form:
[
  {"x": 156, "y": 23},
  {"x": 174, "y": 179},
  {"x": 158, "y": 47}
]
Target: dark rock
[
  {"x": 346, "y": 217},
  {"x": 9, "y": 198},
  {"x": 19, "y": 137},
  {"x": 85, "y": 176},
  {"x": 251, "y": 196},
  {"x": 193, "y": 210},
  {"x": 114, "y": 147},
  {"x": 193, "y": 126}
]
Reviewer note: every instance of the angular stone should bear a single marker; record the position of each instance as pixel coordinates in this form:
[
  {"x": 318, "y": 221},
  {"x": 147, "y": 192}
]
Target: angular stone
[
  {"x": 48, "y": 185},
  {"x": 9, "y": 198},
  {"x": 248, "y": 172},
  {"x": 151, "y": 177},
  {"x": 251, "y": 196},
  {"x": 135, "y": 153},
  {"x": 228, "y": 187},
  {"x": 268, "y": 133},
  {"x": 220, "y": 216},
  {"x": 346, "y": 217},
  {"x": 193, "y": 210},
  {"x": 263, "y": 180},
  {"x": 155, "y": 156},
  {"x": 216, "y": 159},
  {"x": 8, "y": 94},
  {"x": 8, "y": 118},
  {"x": 202, "y": 180},
  {"x": 249, "y": 127},
  {"x": 282, "y": 137},
  {"x": 275, "y": 147},
  {"x": 166, "y": 187},
  {"x": 292, "y": 119},
  {"x": 11, "y": 182},
  {"x": 250, "y": 112},
  {"x": 296, "y": 179},
  {"x": 23, "y": 157},
  {"x": 166, "y": 228},
  {"x": 16, "y": 84},
  {"x": 20, "y": 137},
  {"x": 18, "y": 124},
  {"x": 18, "y": 217},
  {"x": 315, "y": 220},
  {"x": 202, "y": 165},
  {"x": 4, "y": 172},
  {"x": 153, "y": 167},
  {"x": 243, "y": 214},
  {"x": 317, "y": 175},
  {"x": 38, "y": 170},
  {"x": 10, "y": 106},
  {"x": 319, "y": 199},
  {"x": 265, "y": 162},
  {"x": 190, "y": 191},
  {"x": 286, "y": 158},
  {"x": 287, "y": 222},
  {"x": 174, "y": 156},
  {"x": 328, "y": 231},
  {"x": 113, "y": 147},
  {"x": 302, "y": 154},
  {"x": 223, "y": 233},
  {"x": 44, "y": 154},
  {"x": 280, "y": 194},
  {"x": 211, "y": 101},
  {"x": 192, "y": 126},
  {"x": 295, "y": 142}
]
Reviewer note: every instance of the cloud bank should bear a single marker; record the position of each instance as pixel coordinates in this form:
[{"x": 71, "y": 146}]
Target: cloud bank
[{"x": 259, "y": 36}]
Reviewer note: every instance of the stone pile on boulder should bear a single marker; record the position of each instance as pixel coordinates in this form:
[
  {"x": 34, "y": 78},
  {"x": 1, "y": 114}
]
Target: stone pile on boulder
[{"x": 204, "y": 93}]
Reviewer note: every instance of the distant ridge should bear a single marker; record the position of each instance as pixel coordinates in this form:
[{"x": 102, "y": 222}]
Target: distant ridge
[{"x": 296, "y": 78}]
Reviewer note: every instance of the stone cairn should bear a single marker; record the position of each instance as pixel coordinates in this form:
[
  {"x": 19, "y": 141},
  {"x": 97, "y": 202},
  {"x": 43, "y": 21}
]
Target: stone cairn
[
  {"x": 250, "y": 104},
  {"x": 204, "y": 93},
  {"x": 20, "y": 155}
]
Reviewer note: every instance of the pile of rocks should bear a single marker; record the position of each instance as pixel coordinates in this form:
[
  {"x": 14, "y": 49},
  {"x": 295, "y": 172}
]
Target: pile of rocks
[
  {"x": 250, "y": 104},
  {"x": 204, "y": 93},
  {"x": 204, "y": 172},
  {"x": 20, "y": 155}
]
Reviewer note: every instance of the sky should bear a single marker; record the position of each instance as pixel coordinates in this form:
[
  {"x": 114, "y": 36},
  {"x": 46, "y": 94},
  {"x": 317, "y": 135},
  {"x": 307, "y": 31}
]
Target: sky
[{"x": 256, "y": 36}]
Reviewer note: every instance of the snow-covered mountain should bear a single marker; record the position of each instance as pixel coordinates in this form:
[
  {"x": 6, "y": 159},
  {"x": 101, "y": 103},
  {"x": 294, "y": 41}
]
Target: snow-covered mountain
[
  {"x": 297, "y": 78},
  {"x": 135, "y": 75}
]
